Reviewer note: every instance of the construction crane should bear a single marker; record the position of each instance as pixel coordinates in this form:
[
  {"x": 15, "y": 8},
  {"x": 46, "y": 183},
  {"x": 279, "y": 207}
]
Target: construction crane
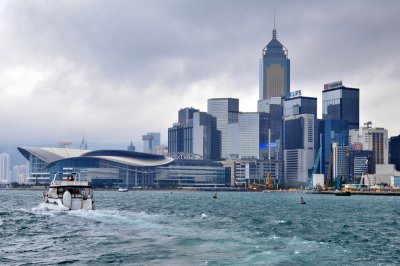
[
  {"x": 269, "y": 184},
  {"x": 328, "y": 176},
  {"x": 315, "y": 166}
]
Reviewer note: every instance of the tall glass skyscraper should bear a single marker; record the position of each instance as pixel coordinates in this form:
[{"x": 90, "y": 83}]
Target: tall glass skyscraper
[
  {"x": 226, "y": 110},
  {"x": 274, "y": 70},
  {"x": 394, "y": 148},
  {"x": 341, "y": 103}
]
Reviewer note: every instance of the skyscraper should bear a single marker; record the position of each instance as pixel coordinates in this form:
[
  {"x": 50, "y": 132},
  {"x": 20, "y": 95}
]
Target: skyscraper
[
  {"x": 274, "y": 80},
  {"x": 180, "y": 135},
  {"x": 206, "y": 136},
  {"x": 226, "y": 110},
  {"x": 83, "y": 145},
  {"x": 298, "y": 148},
  {"x": 341, "y": 103},
  {"x": 150, "y": 142},
  {"x": 5, "y": 167},
  {"x": 247, "y": 136},
  {"x": 394, "y": 148},
  {"x": 131, "y": 147},
  {"x": 372, "y": 139}
]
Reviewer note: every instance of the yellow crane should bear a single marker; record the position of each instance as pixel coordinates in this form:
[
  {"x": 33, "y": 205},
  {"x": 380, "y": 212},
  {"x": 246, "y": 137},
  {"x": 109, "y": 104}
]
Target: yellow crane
[{"x": 269, "y": 184}]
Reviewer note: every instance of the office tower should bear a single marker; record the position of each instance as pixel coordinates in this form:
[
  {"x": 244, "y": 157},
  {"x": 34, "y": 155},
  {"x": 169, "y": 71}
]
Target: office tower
[
  {"x": 83, "y": 145},
  {"x": 341, "y": 162},
  {"x": 372, "y": 139},
  {"x": 300, "y": 105},
  {"x": 274, "y": 108},
  {"x": 274, "y": 70},
  {"x": 150, "y": 142},
  {"x": 180, "y": 135},
  {"x": 298, "y": 148},
  {"x": 185, "y": 115},
  {"x": 297, "y": 105},
  {"x": 331, "y": 131},
  {"x": 206, "y": 136},
  {"x": 226, "y": 111},
  {"x": 131, "y": 147},
  {"x": 361, "y": 162},
  {"x": 394, "y": 148},
  {"x": 247, "y": 136},
  {"x": 5, "y": 167},
  {"x": 341, "y": 103}
]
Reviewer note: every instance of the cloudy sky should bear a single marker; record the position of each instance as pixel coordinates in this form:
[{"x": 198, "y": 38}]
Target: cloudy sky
[{"x": 114, "y": 70}]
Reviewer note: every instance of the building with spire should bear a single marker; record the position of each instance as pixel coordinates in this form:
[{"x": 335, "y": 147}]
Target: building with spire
[
  {"x": 274, "y": 76},
  {"x": 83, "y": 145},
  {"x": 131, "y": 147}
]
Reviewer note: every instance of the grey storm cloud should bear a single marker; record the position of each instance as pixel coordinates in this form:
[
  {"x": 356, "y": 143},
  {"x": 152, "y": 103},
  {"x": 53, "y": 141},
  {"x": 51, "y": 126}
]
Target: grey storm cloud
[{"x": 114, "y": 70}]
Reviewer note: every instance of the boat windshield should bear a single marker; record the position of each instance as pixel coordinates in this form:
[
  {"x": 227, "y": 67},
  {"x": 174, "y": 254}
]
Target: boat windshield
[{"x": 76, "y": 192}]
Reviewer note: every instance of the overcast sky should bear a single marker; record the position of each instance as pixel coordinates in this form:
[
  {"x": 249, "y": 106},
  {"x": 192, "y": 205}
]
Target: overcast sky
[{"x": 113, "y": 70}]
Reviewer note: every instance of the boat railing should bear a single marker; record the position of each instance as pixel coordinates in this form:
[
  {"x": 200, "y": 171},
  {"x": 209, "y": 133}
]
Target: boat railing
[{"x": 71, "y": 176}]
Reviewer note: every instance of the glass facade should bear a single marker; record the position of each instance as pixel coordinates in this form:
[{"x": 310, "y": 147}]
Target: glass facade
[
  {"x": 185, "y": 115},
  {"x": 342, "y": 104},
  {"x": 294, "y": 134},
  {"x": 274, "y": 70},
  {"x": 299, "y": 149},
  {"x": 150, "y": 142},
  {"x": 394, "y": 149},
  {"x": 331, "y": 131},
  {"x": 191, "y": 173},
  {"x": 362, "y": 162},
  {"x": 256, "y": 171},
  {"x": 204, "y": 129},
  {"x": 226, "y": 111}
]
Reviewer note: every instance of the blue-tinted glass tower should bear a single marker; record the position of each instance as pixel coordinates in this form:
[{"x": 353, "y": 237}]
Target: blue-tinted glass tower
[{"x": 342, "y": 103}]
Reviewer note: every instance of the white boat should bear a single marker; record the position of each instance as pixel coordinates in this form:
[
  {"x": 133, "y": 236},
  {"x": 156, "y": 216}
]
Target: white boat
[
  {"x": 123, "y": 189},
  {"x": 69, "y": 194}
]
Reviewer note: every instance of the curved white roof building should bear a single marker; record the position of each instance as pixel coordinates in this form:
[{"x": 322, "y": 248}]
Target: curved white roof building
[{"x": 101, "y": 167}]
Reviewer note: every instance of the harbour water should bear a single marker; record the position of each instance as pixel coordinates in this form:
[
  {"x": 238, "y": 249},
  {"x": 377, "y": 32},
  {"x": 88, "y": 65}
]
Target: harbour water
[{"x": 192, "y": 228}]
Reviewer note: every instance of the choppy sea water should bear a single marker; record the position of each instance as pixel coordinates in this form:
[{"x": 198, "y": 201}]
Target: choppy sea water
[{"x": 192, "y": 228}]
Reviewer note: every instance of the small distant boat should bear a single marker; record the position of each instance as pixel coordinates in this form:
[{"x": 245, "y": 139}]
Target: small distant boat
[
  {"x": 69, "y": 194},
  {"x": 302, "y": 201},
  {"x": 342, "y": 193},
  {"x": 123, "y": 189},
  {"x": 215, "y": 195},
  {"x": 345, "y": 192}
]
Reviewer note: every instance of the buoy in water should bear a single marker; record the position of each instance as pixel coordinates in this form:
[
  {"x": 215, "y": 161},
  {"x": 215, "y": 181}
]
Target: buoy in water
[{"x": 302, "y": 201}]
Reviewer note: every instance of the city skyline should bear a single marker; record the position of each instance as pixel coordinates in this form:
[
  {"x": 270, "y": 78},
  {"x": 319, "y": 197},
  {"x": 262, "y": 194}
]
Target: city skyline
[{"x": 113, "y": 71}]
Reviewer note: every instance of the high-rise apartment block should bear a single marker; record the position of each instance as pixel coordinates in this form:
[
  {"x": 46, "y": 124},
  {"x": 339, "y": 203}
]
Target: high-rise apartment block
[
  {"x": 274, "y": 70},
  {"x": 4, "y": 167}
]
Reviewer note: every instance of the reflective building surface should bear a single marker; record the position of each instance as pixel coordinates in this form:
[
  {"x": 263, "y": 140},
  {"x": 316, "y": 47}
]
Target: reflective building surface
[
  {"x": 103, "y": 168},
  {"x": 226, "y": 110},
  {"x": 342, "y": 103},
  {"x": 274, "y": 70}
]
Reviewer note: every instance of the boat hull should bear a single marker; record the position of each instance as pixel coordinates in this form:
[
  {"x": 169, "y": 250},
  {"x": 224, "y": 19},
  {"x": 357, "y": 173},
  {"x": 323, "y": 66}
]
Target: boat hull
[
  {"x": 76, "y": 204},
  {"x": 342, "y": 194}
]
